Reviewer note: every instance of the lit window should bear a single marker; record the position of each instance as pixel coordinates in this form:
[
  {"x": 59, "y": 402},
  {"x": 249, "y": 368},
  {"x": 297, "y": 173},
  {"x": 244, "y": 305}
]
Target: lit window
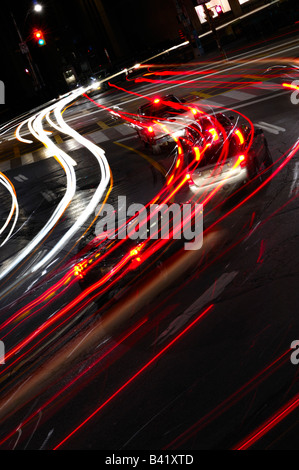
[
  {"x": 243, "y": 1},
  {"x": 212, "y": 7}
]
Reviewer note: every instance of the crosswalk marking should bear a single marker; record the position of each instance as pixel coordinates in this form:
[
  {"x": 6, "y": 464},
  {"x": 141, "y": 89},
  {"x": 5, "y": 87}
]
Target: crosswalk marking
[
  {"x": 20, "y": 178},
  {"x": 97, "y": 137},
  {"x": 270, "y": 127},
  {"x": 238, "y": 95},
  {"x": 124, "y": 129},
  {"x": 211, "y": 103}
]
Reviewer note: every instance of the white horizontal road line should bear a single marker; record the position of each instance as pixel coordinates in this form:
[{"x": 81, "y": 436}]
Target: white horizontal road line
[
  {"x": 211, "y": 103},
  {"x": 238, "y": 95},
  {"x": 282, "y": 129},
  {"x": 260, "y": 100},
  {"x": 97, "y": 137},
  {"x": 269, "y": 127},
  {"x": 124, "y": 129}
]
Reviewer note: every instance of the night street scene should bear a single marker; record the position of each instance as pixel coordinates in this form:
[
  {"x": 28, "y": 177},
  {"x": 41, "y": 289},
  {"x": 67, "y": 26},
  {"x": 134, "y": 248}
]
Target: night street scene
[{"x": 149, "y": 227}]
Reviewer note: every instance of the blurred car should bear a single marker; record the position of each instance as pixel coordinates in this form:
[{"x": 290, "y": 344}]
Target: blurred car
[
  {"x": 161, "y": 120},
  {"x": 217, "y": 150}
]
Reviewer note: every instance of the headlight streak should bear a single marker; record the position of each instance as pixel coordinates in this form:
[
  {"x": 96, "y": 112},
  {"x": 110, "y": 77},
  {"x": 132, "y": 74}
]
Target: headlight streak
[
  {"x": 13, "y": 210},
  {"x": 36, "y": 128},
  {"x": 99, "y": 154},
  {"x": 67, "y": 164},
  {"x": 18, "y": 136}
]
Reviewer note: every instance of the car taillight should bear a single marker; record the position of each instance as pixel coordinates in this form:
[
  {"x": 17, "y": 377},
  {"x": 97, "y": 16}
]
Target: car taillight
[
  {"x": 214, "y": 134},
  {"x": 242, "y": 160},
  {"x": 240, "y": 136},
  {"x": 150, "y": 130}
]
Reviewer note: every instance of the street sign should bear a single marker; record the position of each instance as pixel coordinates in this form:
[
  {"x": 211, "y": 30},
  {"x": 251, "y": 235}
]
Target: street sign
[{"x": 24, "y": 48}]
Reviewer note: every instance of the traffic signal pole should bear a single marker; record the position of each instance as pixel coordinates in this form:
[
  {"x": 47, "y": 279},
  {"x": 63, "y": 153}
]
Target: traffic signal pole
[{"x": 37, "y": 85}]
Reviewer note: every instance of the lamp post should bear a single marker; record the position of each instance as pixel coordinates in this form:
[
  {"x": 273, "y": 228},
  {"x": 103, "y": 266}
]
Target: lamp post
[{"x": 24, "y": 47}]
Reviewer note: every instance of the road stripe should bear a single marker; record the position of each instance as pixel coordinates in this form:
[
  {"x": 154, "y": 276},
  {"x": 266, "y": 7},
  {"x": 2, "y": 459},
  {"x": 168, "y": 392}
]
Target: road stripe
[
  {"x": 102, "y": 124},
  {"x": 211, "y": 103},
  {"x": 97, "y": 137},
  {"x": 238, "y": 95},
  {"x": 124, "y": 129},
  {"x": 58, "y": 139},
  {"x": 269, "y": 127}
]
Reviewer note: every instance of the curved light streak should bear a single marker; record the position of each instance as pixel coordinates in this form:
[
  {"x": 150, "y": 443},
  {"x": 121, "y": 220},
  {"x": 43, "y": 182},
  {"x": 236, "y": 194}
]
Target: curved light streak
[{"x": 14, "y": 207}]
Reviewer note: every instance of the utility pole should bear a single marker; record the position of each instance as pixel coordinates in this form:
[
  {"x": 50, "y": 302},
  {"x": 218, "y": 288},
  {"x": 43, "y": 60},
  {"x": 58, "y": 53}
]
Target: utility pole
[{"x": 25, "y": 50}]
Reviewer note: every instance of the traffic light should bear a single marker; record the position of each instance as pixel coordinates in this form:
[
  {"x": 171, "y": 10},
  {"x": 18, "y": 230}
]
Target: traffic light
[
  {"x": 39, "y": 37},
  {"x": 219, "y": 10}
]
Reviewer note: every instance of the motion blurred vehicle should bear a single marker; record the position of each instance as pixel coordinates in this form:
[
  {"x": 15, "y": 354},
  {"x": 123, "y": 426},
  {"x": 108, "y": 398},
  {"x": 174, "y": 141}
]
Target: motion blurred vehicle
[
  {"x": 217, "y": 151},
  {"x": 162, "y": 120}
]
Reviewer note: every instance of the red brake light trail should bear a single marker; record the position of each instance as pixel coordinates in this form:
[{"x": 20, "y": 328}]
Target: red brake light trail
[{"x": 136, "y": 375}]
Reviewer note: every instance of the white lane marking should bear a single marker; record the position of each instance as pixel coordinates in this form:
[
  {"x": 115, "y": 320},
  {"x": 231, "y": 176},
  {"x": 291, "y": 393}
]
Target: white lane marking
[
  {"x": 211, "y": 103},
  {"x": 269, "y": 127},
  {"x": 48, "y": 195},
  {"x": 27, "y": 159},
  {"x": 295, "y": 185},
  {"x": 97, "y": 137},
  {"x": 124, "y": 129},
  {"x": 211, "y": 293},
  {"x": 260, "y": 100},
  {"x": 20, "y": 178},
  {"x": 238, "y": 95},
  {"x": 278, "y": 128}
]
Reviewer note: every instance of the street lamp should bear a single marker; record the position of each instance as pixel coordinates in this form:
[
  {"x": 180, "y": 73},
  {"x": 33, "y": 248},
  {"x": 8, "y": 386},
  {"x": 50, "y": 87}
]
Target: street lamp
[{"x": 38, "y": 7}]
